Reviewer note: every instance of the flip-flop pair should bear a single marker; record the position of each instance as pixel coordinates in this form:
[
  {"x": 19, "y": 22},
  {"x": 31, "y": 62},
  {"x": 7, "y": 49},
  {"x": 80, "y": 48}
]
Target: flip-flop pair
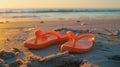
[{"x": 72, "y": 43}]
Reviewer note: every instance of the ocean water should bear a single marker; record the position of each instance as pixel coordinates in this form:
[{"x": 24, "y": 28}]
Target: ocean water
[{"x": 61, "y": 13}]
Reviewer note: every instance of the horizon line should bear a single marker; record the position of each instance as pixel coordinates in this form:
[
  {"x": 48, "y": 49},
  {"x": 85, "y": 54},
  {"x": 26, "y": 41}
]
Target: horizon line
[{"x": 60, "y": 8}]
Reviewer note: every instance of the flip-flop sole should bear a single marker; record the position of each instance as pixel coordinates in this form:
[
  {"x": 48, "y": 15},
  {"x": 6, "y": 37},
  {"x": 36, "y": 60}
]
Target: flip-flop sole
[
  {"x": 83, "y": 45},
  {"x": 44, "y": 43}
]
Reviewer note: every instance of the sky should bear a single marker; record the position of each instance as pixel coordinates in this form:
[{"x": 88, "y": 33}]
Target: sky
[{"x": 59, "y": 3}]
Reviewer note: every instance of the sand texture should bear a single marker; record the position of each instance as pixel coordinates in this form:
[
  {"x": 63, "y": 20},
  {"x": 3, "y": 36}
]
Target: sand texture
[{"x": 105, "y": 53}]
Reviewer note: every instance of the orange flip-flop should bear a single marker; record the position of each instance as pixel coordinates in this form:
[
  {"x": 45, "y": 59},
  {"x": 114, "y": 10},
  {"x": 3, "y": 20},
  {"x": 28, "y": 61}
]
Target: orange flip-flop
[
  {"x": 78, "y": 44},
  {"x": 45, "y": 39}
]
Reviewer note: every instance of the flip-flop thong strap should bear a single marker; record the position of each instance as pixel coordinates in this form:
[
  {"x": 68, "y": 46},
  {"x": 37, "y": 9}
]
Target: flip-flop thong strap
[
  {"x": 87, "y": 35},
  {"x": 53, "y": 33},
  {"x": 38, "y": 33},
  {"x": 56, "y": 34},
  {"x": 74, "y": 38},
  {"x": 71, "y": 35}
]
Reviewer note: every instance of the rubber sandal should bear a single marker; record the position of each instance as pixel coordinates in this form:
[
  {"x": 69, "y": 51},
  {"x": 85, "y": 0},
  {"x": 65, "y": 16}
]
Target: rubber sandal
[
  {"x": 43, "y": 40},
  {"x": 78, "y": 44}
]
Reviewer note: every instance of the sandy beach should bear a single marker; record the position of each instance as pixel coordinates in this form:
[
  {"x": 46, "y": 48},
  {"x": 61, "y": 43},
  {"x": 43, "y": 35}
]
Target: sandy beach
[
  {"x": 105, "y": 53},
  {"x": 59, "y": 33}
]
